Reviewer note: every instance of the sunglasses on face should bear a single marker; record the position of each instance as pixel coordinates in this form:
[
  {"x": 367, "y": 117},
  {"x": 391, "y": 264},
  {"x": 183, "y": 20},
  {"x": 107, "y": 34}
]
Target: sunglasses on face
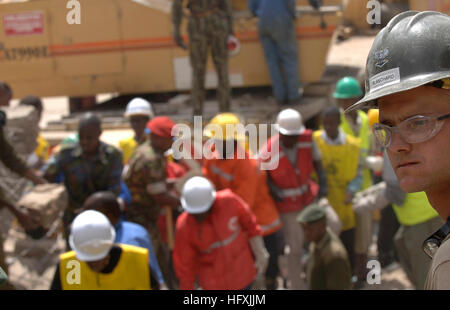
[{"x": 415, "y": 129}]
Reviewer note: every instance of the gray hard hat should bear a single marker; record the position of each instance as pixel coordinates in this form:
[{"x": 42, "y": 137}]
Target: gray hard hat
[{"x": 411, "y": 51}]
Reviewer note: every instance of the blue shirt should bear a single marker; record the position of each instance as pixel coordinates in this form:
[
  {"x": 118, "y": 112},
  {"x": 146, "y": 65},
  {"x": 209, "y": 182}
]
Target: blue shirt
[
  {"x": 135, "y": 234},
  {"x": 273, "y": 12}
]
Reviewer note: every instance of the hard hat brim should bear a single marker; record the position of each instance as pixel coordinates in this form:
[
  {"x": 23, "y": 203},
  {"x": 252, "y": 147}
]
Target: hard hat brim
[
  {"x": 86, "y": 257},
  {"x": 129, "y": 114},
  {"x": 411, "y": 83},
  {"x": 197, "y": 209},
  {"x": 289, "y": 132},
  {"x": 209, "y": 134},
  {"x": 341, "y": 96}
]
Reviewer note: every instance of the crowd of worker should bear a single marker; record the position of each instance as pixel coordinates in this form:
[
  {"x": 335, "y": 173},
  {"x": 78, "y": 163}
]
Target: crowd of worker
[{"x": 137, "y": 218}]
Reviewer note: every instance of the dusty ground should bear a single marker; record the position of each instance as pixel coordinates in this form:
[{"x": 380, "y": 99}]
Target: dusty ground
[{"x": 31, "y": 263}]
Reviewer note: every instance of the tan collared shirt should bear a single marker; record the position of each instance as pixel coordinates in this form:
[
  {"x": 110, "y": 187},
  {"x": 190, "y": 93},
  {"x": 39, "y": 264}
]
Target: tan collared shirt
[{"x": 438, "y": 277}]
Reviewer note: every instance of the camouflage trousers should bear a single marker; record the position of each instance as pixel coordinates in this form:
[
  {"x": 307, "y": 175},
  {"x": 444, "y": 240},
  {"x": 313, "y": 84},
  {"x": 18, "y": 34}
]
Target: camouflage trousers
[{"x": 204, "y": 34}]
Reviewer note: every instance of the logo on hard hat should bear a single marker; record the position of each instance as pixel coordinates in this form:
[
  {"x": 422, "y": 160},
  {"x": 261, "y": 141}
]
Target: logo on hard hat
[{"x": 380, "y": 57}]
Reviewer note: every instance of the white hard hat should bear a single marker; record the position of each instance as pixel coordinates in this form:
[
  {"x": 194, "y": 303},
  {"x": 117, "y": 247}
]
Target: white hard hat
[
  {"x": 290, "y": 123},
  {"x": 198, "y": 195},
  {"x": 139, "y": 106},
  {"x": 91, "y": 236}
]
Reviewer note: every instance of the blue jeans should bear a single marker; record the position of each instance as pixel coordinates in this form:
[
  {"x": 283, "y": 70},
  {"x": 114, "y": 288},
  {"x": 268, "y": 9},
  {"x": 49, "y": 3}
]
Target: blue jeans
[{"x": 281, "y": 50}]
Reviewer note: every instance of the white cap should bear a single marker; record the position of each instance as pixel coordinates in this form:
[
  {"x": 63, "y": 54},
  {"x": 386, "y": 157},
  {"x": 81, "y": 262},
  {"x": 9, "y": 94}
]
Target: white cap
[
  {"x": 92, "y": 236},
  {"x": 198, "y": 195},
  {"x": 290, "y": 123},
  {"x": 139, "y": 106}
]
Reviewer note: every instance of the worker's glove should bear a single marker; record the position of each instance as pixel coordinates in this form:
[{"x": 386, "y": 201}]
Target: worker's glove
[
  {"x": 179, "y": 40},
  {"x": 260, "y": 253},
  {"x": 370, "y": 199},
  {"x": 374, "y": 163},
  {"x": 332, "y": 218}
]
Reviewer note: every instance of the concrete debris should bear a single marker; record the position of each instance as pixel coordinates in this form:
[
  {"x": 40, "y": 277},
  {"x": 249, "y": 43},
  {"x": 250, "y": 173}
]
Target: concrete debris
[
  {"x": 22, "y": 129},
  {"x": 46, "y": 201}
]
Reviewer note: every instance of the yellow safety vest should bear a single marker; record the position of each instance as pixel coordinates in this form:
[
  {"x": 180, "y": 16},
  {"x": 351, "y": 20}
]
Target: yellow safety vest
[
  {"x": 42, "y": 150},
  {"x": 364, "y": 136},
  {"x": 415, "y": 210},
  {"x": 131, "y": 273},
  {"x": 128, "y": 146},
  {"x": 340, "y": 163}
]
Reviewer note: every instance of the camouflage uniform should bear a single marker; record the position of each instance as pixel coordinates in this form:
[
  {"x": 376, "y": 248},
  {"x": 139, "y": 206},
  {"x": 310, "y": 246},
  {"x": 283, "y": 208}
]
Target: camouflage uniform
[
  {"x": 146, "y": 176},
  {"x": 328, "y": 266},
  {"x": 210, "y": 24},
  {"x": 10, "y": 160},
  {"x": 84, "y": 177}
]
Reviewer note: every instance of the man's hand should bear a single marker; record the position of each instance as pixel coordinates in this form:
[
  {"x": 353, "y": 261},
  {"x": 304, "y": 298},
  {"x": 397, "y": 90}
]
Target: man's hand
[
  {"x": 260, "y": 253},
  {"x": 34, "y": 177},
  {"x": 179, "y": 40},
  {"x": 26, "y": 220}
]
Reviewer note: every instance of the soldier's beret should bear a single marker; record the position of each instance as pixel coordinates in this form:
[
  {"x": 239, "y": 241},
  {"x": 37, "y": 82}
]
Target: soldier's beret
[
  {"x": 161, "y": 126},
  {"x": 311, "y": 213}
]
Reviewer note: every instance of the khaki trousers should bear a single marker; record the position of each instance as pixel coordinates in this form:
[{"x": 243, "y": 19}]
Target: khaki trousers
[
  {"x": 363, "y": 232},
  {"x": 294, "y": 238},
  {"x": 408, "y": 243}
]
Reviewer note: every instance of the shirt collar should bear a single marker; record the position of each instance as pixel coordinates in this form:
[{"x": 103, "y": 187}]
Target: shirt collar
[
  {"x": 322, "y": 242},
  {"x": 78, "y": 152},
  {"x": 338, "y": 141}
]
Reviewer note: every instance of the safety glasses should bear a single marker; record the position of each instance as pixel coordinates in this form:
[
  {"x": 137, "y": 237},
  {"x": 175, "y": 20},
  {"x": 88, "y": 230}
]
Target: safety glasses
[
  {"x": 415, "y": 129},
  {"x": 431, "y": 244}
]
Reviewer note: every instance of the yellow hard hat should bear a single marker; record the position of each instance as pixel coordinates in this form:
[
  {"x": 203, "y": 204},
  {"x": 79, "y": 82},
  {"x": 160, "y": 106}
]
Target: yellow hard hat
[
  {"x": 224, "y": 127},
  {"x": 373, "y": 115}
]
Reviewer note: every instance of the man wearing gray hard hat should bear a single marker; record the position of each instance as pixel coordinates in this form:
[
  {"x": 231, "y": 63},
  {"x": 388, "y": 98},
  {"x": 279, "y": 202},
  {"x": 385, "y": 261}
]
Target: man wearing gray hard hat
[
  {"x": 328, "y": 264},
  {"x": 408, "y": 78}
]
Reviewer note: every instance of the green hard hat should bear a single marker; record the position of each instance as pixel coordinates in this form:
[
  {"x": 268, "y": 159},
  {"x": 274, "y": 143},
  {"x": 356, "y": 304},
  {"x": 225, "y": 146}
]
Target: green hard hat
[
  {"x": 411, "y": 51},
  {"x": 311, "y": 213},
  {"x": 347, "y": 87},
  {"x": 71, "y": 139}
]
